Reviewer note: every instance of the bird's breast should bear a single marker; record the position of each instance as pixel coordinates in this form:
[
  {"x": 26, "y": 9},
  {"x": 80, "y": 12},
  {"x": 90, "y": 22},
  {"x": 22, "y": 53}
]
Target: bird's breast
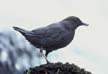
[
  {"x": 63, "y": 40},
  {"x": 66, "y": 39}
]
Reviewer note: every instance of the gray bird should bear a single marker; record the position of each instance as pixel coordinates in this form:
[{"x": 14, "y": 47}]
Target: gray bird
[{"x": 53, "y": 36}]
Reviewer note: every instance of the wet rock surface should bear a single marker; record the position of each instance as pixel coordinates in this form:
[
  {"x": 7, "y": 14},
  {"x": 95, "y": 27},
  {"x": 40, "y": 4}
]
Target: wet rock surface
[{"x": 57, "y": 68}]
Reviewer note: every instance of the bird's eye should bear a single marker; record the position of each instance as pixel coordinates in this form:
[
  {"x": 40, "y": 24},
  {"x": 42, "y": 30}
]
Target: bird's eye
[{"x": 75, "y": 21}]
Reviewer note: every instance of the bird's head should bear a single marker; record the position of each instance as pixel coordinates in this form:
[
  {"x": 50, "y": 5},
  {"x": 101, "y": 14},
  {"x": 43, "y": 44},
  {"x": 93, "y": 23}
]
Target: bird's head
[{"x": 75, "y": 20}]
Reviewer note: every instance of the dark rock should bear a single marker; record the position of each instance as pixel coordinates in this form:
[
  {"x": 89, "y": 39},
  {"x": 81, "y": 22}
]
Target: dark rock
[{"x": 57, "y": 68}]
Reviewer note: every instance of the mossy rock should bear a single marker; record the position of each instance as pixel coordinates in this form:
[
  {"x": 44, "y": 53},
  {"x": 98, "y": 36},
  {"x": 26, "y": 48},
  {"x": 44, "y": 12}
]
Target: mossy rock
[{"x": 57, "y": 68}]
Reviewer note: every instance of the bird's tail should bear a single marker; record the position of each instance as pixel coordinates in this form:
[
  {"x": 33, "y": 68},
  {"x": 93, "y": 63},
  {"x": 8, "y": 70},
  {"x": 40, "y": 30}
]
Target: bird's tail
[{"x": 22, "y": 31}]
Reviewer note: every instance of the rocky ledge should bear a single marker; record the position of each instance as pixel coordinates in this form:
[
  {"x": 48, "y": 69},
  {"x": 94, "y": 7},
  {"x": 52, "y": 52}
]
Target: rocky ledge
[{"x": 57, "y": 68}]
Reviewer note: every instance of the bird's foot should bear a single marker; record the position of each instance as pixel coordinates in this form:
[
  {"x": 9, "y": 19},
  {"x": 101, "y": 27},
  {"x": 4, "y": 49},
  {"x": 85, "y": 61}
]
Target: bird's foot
[
  {"x": 46, "y": 59},
  {"x": 48, "y": 62}
]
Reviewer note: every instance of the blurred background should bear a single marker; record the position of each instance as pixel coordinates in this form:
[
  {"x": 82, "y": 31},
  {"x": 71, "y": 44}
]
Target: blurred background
[{"x": 88, "y": 49}]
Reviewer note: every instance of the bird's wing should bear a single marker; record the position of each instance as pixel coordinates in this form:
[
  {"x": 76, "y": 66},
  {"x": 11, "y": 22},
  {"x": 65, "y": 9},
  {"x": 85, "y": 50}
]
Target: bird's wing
[
  {"x": 45, "y": 32},
  {"x": 50, "y": 31}
]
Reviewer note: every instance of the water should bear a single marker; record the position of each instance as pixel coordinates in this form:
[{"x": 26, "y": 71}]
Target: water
[{"x": 16, "y": 53}]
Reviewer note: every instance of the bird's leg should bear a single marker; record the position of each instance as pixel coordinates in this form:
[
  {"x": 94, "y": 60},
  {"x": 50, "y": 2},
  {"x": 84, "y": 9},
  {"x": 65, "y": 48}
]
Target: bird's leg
[{"x": 41, "y": 51}]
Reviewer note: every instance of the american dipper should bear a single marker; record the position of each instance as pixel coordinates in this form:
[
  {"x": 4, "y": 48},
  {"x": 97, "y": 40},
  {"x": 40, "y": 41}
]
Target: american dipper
[{"x": 54, "y": 36}]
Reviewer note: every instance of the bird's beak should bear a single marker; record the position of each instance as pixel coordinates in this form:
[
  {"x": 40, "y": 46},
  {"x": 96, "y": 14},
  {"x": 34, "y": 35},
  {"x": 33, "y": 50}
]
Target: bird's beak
[{"x": 85, "y": 24}]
